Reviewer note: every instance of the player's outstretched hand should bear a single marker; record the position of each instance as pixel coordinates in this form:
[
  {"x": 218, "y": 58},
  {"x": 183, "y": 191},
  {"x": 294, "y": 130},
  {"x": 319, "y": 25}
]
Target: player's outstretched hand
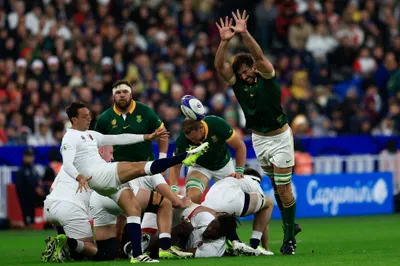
[
  {"x": 83, "y": 182},
  {"x": 240, "y": 21},
  {"x": 224, "y": 28},
  {"x": 158, "y": 134}
]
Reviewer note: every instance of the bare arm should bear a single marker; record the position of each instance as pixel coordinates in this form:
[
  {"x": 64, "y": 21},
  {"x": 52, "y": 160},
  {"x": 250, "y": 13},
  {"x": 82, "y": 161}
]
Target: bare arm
[
  {"x": 223, "y": 67},
  {"x": 240, "y": 148},
  {"x": 162, "y": 146},
  {"x": 263, "y": 65}
]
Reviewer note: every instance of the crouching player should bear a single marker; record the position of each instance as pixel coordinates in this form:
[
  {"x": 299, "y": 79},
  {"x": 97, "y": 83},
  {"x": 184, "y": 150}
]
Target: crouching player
[{"x": 243, "y": 197}]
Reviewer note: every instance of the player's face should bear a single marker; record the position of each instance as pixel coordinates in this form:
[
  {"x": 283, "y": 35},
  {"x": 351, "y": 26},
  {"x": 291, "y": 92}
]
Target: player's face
[
  {"x": 196, "y": 136},
  {"x": 247, "y": 74},
  {"x": 212, "y": 231},
  {"x": 82, "y": 121},
  {"x": 106, "y": 153},
  {"x": 122, "y": 99}
]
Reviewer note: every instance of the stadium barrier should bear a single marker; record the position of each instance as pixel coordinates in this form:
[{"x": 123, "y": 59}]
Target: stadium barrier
[{"x": 339, "y": 194}]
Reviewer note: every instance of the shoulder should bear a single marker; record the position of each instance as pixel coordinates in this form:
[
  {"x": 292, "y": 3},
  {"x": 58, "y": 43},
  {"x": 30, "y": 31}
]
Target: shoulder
[
  {"x": 106, "y": 114},
  {"x": 142, "y": 107}
]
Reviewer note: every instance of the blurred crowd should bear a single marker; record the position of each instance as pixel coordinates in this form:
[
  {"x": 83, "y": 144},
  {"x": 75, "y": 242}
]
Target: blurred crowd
[{"x": 337, "y": 61}]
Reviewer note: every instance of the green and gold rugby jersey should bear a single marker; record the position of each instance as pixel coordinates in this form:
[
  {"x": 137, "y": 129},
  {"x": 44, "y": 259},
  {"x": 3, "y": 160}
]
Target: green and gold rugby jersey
[
  {"x": 217, "y": 133},
  {"x": 140, "y": 119},
  {"x": 261, "y": 104}
]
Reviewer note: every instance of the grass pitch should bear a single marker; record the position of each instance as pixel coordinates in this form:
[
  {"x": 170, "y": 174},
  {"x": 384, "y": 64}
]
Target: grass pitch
[{"x": 366, "y": 240}]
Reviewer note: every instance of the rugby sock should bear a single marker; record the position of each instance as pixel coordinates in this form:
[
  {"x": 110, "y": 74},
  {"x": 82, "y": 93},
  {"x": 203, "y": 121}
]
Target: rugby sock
[
  {"x": 255, "y": 239},
  {"x": 75, "y": 245},
  {"x": 134, "y": 234},
  {"x": 160, "y": 165},
  {"x": 165, "y": 240},
  {"x": 270, "y": 174},
  {"x": 233, "y": 236},
  {"x": 290, "y": 213}
]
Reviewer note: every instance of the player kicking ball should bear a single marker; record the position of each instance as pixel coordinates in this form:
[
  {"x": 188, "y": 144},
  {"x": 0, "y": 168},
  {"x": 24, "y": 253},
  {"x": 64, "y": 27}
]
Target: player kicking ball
[
  {"x": 82, "y": 162},
  {"x": 107, "y": 227}
]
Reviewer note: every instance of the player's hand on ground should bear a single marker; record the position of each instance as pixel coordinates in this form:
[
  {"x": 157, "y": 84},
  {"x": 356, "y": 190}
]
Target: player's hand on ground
[
  {"x": 224, "y": 28},
  {"x": 83, "y": 183},
  {"x": 240, "y": 21},
  {"x": 161, "y": 134}
]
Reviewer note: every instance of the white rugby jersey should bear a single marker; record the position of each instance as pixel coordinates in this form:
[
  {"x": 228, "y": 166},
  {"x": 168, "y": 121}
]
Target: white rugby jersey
[
  {"x": 64, "y": 189},
  {"x": 79, "y": 150},
  {"x": 247, "y": 184}
]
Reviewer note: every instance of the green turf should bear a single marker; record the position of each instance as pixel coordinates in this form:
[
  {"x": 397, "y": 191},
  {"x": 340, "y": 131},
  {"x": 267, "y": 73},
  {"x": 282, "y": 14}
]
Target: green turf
[{"x": 367, "y": 240}]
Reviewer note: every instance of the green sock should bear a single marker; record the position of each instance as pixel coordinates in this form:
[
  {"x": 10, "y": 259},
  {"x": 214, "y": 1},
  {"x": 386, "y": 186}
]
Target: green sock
[
  {"x": 289, "y": 211},
  {"x": 270, "y": 174}
]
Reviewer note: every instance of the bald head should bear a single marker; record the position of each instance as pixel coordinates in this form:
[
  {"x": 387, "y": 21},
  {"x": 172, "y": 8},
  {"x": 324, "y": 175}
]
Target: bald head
[{"x": 106, "y": 152}]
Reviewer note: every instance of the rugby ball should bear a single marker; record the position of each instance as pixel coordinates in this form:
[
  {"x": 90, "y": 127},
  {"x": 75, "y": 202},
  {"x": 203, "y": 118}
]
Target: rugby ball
[{"x": 192, "y": 108}]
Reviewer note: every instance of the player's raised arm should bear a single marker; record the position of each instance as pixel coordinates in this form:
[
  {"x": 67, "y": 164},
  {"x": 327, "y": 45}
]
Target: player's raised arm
[
  {"x": 223, "y": 67},
  {"x": 263, "y": 65},
  {"x": 125, "y": 139}
]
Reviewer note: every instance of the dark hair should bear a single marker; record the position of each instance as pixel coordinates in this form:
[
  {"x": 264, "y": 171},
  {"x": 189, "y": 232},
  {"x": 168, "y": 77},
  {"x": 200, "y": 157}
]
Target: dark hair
[
  {"x": 252, "y": 172},
  {"x": 227, "y": 226},
  {"x": 242, "y": 60},
  {"x": 190, "y": 125},
  {"x": 121, "y": 82},
  {"x": 72, "y": 110}
]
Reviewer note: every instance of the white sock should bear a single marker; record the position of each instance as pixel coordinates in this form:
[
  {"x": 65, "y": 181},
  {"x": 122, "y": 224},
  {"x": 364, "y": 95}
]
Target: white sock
[
  {"x": 147, "y": 168},
  {"x": 133, "y": 220},
  {"x": 256, "y": 235},
  {"x": 164, "y": 235},
  {"x": 80, "y": 246}
]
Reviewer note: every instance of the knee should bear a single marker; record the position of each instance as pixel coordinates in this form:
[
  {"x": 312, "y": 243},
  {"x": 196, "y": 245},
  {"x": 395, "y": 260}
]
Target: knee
[{"x": 269, "y": 203}]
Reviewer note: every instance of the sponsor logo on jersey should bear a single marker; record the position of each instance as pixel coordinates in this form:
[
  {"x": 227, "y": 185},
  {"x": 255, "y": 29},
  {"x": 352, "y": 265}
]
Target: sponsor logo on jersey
[
  {"x": 214, "y": 138},
  {"x": 139, "y": 118},
  {"x": 90, "y": 136}
]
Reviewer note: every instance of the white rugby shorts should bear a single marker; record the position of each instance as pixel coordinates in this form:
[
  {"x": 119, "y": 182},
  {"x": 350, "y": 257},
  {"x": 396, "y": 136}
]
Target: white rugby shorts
[
  {"x": 274, "y": 150},
  {"x": 73, "y": 219}
]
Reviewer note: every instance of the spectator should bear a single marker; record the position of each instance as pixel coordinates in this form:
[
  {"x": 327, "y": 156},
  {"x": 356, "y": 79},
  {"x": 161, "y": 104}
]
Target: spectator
[
  {"x": 56, "y": 53},
  {"x": 299, "y": 32},
  {"x": 27, "y": 186}
]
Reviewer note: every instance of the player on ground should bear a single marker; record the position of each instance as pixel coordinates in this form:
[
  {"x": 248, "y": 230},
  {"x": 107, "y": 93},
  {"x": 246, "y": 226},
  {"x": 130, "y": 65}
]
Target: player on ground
[
  {"x": 218, "y": 163},
  {"x": 82, "y": 162},
  {"x": 243, "y": 197},
  {"x": 253, "y": 80}
]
